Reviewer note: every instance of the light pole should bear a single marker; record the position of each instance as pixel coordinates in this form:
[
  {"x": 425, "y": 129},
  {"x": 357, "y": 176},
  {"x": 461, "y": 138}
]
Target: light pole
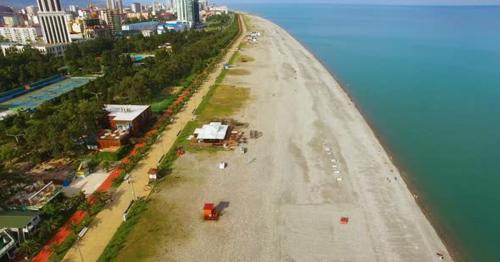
[
  {"x": 79, "y": 237},
  {"x": 162, "y": 145},
  {"x": 129, "y": 180},
  {"x": 78, "y": 247}
]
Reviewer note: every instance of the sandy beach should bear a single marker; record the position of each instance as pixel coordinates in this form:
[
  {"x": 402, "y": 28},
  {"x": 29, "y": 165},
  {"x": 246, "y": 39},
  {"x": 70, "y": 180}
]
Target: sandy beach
[{"x": 316, "y": 162}]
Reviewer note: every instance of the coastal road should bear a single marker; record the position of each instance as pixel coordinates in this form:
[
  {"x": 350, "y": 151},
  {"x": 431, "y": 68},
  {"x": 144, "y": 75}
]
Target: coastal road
[{"x": 107, "y": 221}]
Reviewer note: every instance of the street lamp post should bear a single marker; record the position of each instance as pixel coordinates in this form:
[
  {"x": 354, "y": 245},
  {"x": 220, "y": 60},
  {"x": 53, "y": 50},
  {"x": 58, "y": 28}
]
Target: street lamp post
[
  {"x": 129, "y": 180},
  {"x": 162, "y": 145},
  {"x": 79, "y": 237},
  {"x": 78, "y": 247}
]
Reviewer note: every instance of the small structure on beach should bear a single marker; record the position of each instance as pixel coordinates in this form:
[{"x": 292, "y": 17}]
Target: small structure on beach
[
  {"x": 210, "y": 212},
  {"x": 215, "y": 132},
  {"x": 153, "y": 174}
]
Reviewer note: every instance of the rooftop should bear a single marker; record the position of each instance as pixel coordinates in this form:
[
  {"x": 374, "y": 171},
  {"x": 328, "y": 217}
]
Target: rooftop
[
  {"x": 33, "y": 196},
  {"x": 16, "y": 219},
  {"x": 125, "y": 112},
  {"x": 6, "y": 242},
  {"x": 214, "y": 130}
]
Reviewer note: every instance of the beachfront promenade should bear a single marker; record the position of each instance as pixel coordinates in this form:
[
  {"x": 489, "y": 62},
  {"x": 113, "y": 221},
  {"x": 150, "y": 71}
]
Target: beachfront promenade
[{"x": 108, "y": 220}]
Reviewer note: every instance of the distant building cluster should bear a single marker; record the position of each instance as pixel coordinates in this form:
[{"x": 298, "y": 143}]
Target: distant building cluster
[{"x": 50, "y": 27}]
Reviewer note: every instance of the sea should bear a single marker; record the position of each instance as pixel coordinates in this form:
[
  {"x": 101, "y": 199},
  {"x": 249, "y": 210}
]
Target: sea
[{"x": 427, "y": 78}]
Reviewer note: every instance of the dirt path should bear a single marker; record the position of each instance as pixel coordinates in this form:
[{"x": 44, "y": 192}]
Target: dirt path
[{"x": 107, "y": 221}]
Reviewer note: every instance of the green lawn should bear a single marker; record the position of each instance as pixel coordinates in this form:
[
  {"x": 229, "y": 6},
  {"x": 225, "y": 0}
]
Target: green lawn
[
  {"x": 161, "y": 106},
  {"x": 238, "y": 72},
  {"x": 246, "y": 59},
  {"x": 158, "y": 220},
  {"x": 225, "y": 102}
]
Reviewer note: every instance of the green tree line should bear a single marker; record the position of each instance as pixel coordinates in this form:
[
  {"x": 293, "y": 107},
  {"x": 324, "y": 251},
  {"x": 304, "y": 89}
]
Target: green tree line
[
  {"x": 18, "y": 68},
  {"x": 59, "y": 127}
]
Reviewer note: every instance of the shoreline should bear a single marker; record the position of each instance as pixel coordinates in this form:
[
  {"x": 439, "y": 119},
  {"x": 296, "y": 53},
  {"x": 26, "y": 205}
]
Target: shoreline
[
  {"x": 315, "y": 185},
  {"x": 450, "y": 243}
]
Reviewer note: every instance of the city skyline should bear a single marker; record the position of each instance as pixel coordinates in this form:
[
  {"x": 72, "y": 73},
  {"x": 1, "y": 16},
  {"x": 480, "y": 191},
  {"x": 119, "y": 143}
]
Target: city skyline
[{"x": 127, "y": 3}]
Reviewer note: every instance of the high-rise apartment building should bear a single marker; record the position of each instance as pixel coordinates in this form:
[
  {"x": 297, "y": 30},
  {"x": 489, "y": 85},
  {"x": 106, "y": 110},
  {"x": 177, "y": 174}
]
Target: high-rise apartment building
[
  {"x": 112, "y": 20},
  {"x": 135, "y": 7},
  {"x": 53, "y": 21},
  {"x": 31, "y": 13},
  {"x": 116, "y": 6},
  {"x": 204, "y": 4},
  {"x": 74, "y": 8},
  {"x": 187, "y": 11}
]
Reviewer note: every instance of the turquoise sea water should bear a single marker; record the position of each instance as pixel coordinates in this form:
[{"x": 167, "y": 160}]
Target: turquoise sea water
[{"x": 428, "y": 80}]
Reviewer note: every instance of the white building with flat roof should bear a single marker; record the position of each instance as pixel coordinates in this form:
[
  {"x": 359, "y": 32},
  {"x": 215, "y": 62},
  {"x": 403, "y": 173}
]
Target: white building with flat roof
[
  {"x": 215, "y": 131},
  {"x": 22, "y": 35},
  {"x": 55, "y": 49},
  {"x": 128, "y": 117}
]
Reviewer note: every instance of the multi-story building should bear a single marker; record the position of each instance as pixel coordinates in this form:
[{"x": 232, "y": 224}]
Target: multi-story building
[
  {"x": 53, "y": 21},
  {"x": 204, "y": 4},
  {"x": 31, "y": 14},
  {"x": 11, "y": 20},
  {"x": 136, "y": 8},
  {"x": 93, "y": 28},
  {"x": 57, "y": 50},
  {"x": 187, "y": 11},
  {"x": 196, "y": 12},
  {"x": 22, "y": 35},
  {"x": 140, "y": 16},
  {"x": 5, "y": 11},
  {"x": 116, "y": 6},
  {"x": 112, "y": 20},
  {"x": 73, "y": 8}
]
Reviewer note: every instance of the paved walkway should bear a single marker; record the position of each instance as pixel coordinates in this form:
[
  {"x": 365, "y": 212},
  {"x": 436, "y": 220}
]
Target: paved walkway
[
  {"x": 87, "y": 185},
  {"x": 108, "y": 220}
]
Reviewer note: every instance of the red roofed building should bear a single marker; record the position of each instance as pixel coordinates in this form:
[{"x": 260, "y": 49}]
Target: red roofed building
[
  {"x": 123, "y": 121},
  {"x": 130, "y": 118}
]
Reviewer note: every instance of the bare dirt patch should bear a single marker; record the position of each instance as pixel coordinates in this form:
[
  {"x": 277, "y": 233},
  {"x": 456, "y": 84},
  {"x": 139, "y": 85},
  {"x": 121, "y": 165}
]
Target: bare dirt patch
[{"x": 238, "y": 72}]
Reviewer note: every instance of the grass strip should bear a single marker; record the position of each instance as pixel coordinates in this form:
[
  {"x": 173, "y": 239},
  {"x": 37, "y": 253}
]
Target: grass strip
[{"x": 118, "y": 240}]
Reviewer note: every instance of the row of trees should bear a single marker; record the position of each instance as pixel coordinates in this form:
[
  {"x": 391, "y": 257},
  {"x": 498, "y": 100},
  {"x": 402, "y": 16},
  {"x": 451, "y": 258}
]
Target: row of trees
[
  {"x": 17, "y": 68},
  {"x": 62, "y": 126}
]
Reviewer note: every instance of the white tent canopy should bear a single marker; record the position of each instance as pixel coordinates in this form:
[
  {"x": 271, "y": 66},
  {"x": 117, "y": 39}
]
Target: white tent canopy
[{"x": 212, "y": 131}]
